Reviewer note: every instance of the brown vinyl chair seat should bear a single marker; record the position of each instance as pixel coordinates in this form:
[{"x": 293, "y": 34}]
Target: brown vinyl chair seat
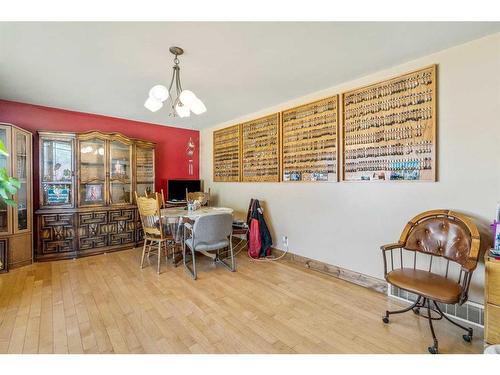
[{"x": 426, "y": 284}]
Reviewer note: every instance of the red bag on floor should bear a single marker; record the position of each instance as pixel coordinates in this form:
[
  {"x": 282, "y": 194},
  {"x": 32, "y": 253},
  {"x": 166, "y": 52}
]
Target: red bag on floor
[{"x": 255, "y": 243}]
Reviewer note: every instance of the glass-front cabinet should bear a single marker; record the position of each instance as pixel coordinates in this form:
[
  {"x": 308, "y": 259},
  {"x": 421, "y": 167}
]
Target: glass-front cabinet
[
  {"x": 57, "y": 171},
  {"x": 92, "y": 163},
  {"x": 87, "y": 181},
  {"x": 5, "y": 163},
  {"x": 15, "y": 221},
  {"x": 145, "y": 168},
  {"x": 120, "y": 175}
]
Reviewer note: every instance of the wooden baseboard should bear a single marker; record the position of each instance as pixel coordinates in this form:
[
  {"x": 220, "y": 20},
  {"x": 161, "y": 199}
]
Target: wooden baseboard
[{"x": 354, "y": 277}]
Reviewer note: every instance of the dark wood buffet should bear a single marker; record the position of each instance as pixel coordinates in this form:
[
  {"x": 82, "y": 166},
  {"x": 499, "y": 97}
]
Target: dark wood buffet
[{"x": 86, "y": 193}]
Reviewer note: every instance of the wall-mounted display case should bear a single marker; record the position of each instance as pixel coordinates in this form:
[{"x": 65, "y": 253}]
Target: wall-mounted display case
[
  {"x": 390, "y": 129},
  {"x": 227, "y": 154},
  {"x": 309, "y": 141},
  {"x": 261, "y": 149}
]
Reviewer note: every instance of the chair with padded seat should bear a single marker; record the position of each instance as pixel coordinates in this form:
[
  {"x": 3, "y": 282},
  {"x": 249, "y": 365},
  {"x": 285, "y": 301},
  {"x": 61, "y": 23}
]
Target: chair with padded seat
[
  {"x": 448, "y": 238},
  {"x": 206, "y": 234}
]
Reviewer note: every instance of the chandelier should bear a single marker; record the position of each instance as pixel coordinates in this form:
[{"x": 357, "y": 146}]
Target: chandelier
[{"x": 181, "y": 102}]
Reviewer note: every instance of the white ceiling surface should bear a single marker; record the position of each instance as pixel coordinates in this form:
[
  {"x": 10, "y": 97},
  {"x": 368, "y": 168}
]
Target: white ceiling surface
[{"x": 235, "y": 68}]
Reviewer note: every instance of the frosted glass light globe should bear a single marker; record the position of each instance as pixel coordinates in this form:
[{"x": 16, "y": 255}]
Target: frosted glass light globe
[
  {"x": 159, "y": 92},
  {"x": 198, "y": 107},
  {"x": 153, "y": 104},
  {"x": 182, "y": 110},
  {"x": 187, "y": 98}
]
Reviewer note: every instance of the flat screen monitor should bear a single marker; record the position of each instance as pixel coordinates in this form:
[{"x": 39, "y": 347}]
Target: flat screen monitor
[{"x": 177, "y": 188}]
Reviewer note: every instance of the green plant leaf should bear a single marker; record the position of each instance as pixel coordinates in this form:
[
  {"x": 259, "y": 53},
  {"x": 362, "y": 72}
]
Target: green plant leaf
[
  {"x": 10, "y": 202},
  {"x": 3, "y": 149},
  {"x": 14, "y": 182},
  {"x": 3, "y": 194}
]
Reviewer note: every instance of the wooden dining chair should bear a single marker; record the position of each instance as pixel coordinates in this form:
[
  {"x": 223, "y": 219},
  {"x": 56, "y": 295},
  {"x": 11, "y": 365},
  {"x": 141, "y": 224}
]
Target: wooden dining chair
[
  {"x": 154, "y": 231},
  {"x": 435, "y": 234},
  {"x": 201, "y": 196}
]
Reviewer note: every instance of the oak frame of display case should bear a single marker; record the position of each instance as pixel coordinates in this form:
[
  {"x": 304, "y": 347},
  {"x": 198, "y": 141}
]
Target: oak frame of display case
[
  {"x": 215, "y": 154},
  {"x": 427, "y": 134},
  {"x": 18, "y": 226},
  {"x": 271, "y": 151},
  {"x": 335, "y": 128},
  {"x": 76, "y": 230}
]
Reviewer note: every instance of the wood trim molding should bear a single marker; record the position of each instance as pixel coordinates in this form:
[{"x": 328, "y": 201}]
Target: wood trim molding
[{"x": 373, "y": 283}]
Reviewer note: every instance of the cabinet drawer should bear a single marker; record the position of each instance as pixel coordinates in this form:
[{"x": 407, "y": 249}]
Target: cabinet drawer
[
  {"x": 492, "y": 326},
  {"x": 493, "y": 270}
]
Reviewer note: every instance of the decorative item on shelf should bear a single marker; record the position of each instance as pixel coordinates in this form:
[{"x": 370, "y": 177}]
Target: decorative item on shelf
[
  {"x": 227, "y": 154},
  {"x": 190, "y": 154},
  {"x": 309, "y": 141},
  {"x": 260, "y": 149},
  {"x": 390, "y": 129},
  {"x": 183, "y": 103}
]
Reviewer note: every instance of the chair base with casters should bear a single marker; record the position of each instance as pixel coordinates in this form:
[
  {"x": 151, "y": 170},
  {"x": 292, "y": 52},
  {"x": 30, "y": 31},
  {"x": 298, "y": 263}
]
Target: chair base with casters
[
  {"x": 425, "y": 303},
  {"x": 444, "y": 234},
  {"x": 207, "y": 235}
]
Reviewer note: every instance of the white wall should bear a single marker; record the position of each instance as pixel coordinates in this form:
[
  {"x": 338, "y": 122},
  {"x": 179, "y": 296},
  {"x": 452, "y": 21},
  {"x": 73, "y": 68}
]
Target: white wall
[{"x": 345, "y": 223}]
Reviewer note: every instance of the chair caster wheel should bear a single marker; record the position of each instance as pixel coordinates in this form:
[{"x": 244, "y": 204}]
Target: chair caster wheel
[
  {"x": 385, "y": 319},
  {"x": 433, "y": 349},
  {"x": 467, "y": 338},
  {"x": 416, "y": 311}
]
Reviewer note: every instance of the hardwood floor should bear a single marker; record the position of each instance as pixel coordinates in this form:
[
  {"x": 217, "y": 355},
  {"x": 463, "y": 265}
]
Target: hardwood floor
[{"x": 106, "y": 304}]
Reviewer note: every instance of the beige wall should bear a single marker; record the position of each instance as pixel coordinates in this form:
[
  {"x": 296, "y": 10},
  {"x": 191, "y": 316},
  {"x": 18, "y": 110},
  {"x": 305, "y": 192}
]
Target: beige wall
[{"x": 345, "y": 223}]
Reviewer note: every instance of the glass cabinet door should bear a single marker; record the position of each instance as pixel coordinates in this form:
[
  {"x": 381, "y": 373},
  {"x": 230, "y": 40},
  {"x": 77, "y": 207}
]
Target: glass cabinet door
[
  {"x": 56, "y": 172},
  {"x": 120, "y": 175},
  {"x": 145, "y": 170},
  {"x": 22, "y": 150},
  {"x": 92, "y": 172},
  {"x": 4, "y": 163}
]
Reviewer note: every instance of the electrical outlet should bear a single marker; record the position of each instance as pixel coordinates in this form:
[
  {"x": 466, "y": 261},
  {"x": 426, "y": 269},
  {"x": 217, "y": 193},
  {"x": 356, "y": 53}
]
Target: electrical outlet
[{"x": 285, "y": 241}]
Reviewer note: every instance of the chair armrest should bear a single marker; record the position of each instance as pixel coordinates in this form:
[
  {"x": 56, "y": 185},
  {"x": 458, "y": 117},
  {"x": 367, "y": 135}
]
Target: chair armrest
[{"x": 391, "y": 246}]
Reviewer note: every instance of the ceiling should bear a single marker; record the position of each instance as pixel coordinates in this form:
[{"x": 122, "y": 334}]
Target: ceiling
[{"x": 235, "y": 68}]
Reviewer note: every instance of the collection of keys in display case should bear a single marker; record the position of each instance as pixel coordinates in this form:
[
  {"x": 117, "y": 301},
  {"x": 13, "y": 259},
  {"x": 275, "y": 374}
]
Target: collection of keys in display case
[
  {"x": 388, "y": 134},
  {"x": 260, "y": 142},
  {"x": 389, "y": 129},
  {"x": 227, "y": 154},
  {"x": 310, "y": 142}
]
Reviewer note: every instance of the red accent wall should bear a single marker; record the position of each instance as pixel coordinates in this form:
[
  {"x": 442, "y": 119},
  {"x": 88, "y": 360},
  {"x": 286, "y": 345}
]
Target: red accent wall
[{"x": 171, "y": 142}]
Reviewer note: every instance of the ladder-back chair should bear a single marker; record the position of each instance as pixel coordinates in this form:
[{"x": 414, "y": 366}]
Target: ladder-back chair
[
  {"x": 202, "y": 197},
  {"x": 434, "y": 234},
  {"x": 154, "y": 231}
]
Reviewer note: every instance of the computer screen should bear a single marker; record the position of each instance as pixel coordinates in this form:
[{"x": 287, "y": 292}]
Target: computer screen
[{"x": 177, "y": 188}]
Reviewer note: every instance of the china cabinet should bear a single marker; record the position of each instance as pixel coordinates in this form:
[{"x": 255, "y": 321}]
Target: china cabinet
[
  {"x": 15, "y": 222},
  {"x": 86, "y": 185}
]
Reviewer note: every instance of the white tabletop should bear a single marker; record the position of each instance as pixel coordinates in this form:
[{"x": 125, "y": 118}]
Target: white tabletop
[{"x": 176, "y": 212}]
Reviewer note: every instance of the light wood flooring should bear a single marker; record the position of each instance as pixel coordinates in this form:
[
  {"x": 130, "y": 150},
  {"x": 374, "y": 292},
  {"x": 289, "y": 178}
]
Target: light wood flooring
[{"x": 106, "y": 304}]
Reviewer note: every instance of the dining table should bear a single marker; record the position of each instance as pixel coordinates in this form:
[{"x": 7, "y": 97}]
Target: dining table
[{"x": 174, "y": 218}]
